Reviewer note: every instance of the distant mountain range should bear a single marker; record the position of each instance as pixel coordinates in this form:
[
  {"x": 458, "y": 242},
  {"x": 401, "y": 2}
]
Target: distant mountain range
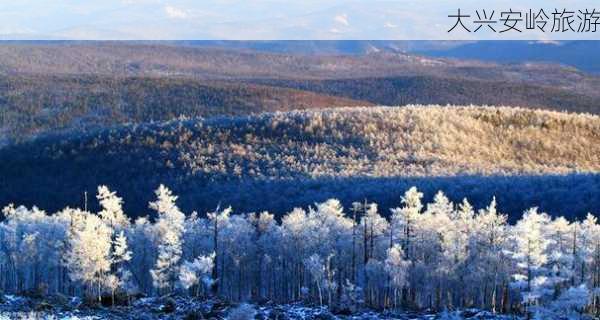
[{"x": 580, "y": 54}]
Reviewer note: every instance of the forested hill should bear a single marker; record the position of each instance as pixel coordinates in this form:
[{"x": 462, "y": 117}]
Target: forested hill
[
  {"x": 49, "y": 87},
  {"x": 33, "y": 105},
  {"x": 277, "y": 161}
]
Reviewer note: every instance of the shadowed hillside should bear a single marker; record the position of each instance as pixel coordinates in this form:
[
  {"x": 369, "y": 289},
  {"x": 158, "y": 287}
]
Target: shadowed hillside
[
  {"x": 258, "y": 162},
  {"x": 451, "y": 90}
]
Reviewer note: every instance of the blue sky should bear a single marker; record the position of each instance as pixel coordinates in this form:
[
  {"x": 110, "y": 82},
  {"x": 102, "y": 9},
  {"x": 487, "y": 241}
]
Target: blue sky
[{"x": 250, "y": 19}]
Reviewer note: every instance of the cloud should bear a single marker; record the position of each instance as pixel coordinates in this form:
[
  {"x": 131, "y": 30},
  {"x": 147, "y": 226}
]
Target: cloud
[
  {"x": 137, "y": 2},
  {"x": 552, "y": 42},
  {"x": 342, "y": 19},
  {"x": 175, "y": 13},
  {"x": 15, "y": 30},
  {"x": 259, "y": 19}
]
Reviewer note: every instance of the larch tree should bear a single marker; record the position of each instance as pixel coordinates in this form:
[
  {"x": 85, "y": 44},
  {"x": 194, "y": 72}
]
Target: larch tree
[
  {"x": 219, "y": 220},
  {"x": 562, "y": 249},
  {"x": 531, "y": 255},
  {"x": 397, "y": 268},
  {"x": 112, "y": 209},
  {"x": 487, "y": 255},
  {"x": 121, "y": 256},
  {"x": 89, "y": 256},
  {"x": 316, "y": 267},
  {"x": 406, "y": 217},
  {"x": 169, "y": 228},
  {"x": 197, "y": 273}
]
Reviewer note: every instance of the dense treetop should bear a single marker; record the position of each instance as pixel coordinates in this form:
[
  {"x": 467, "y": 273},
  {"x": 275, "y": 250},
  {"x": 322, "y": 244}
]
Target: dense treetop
[{"x": 312, "y": 154}]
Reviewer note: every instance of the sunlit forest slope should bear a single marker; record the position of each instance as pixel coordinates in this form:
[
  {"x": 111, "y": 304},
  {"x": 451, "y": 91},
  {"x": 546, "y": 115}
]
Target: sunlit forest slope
[{"x": 524, "y": 157}]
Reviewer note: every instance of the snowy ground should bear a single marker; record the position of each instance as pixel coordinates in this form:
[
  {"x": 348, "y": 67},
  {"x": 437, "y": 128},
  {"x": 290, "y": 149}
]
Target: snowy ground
[{"x": 189, "y": 309}]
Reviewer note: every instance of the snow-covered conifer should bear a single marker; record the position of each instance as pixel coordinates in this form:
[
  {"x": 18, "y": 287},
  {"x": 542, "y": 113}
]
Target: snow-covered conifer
[{"x": 169, "y": 227}]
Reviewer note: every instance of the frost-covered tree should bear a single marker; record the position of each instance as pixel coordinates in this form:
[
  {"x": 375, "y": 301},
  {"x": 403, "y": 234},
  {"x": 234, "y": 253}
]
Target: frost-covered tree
[
  {"x": 570, "y": 304},
  {"x": 32, "y": 246},
  {"x": 373, "y": 228},
  {"x": 549, "y": 267},
  {"x": 406, "y": 217},
  {"x": 238, "y": 243},
  {"x": 169, "y": 228},
  {"x": 456, "y": 250},
  {"x": 397, "y": 268},
  {"x": 142, "y": 240},
  {"x": 89, "y": 256},
  {"x": 590, "y": 266},
  {"x": 562, "y": 252},
  {"x": 121, "y": 256},
  {"x": 219, "y": 220},
  {"x": 459, "y": 230},
  {"x": 112, "y": 209},
  {"x": 194, "y": 273},
  {"x": 296, "y": 249},
  {"x": 531, "y": 255},
  {"x": 487, "y": 259},
  {"x": 113, "y": 216},
  {"x": 268, "y": 234},
  {"x": 316, "y": 267}
]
